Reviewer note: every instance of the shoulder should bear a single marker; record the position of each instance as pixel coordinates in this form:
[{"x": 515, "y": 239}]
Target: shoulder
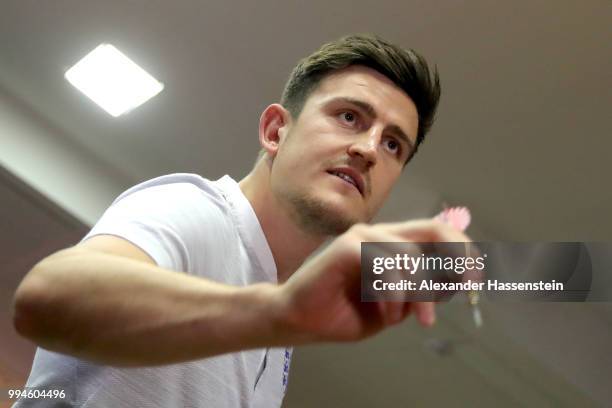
[
  {"x": 170, "y": 217},
  {"x": 184, "y": 204},
  {"x": 175, "y": 186}
]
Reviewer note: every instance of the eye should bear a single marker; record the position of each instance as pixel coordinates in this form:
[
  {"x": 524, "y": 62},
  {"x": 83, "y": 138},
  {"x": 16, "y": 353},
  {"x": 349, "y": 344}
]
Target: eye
[
  {"x": 348, "y": 117},
  {"x": 393, "y": 146}
]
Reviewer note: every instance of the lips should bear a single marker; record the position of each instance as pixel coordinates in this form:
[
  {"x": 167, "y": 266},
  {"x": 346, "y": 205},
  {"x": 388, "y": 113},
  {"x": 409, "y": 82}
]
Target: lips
[{"x": 350, "y": 176}]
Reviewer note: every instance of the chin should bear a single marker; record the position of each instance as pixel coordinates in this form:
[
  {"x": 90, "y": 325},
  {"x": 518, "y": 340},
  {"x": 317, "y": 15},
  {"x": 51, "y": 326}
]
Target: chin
[{"x": 324, "y": 215}]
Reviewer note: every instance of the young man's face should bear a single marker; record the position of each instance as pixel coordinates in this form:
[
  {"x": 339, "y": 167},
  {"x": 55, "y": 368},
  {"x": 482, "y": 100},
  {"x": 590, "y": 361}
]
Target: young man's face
[{"x": 337, "y": 163}]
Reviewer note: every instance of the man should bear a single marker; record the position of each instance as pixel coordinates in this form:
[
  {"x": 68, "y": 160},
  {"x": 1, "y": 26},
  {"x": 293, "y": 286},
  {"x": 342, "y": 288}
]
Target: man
[{"x": 126, "y": 329}]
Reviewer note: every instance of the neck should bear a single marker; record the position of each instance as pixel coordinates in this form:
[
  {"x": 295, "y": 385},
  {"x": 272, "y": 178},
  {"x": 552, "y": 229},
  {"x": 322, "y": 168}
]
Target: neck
[{"x": 277, "y": 225}]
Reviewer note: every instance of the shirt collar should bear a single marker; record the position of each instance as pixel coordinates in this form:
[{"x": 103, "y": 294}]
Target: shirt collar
[{"x": 249, "y": 227}]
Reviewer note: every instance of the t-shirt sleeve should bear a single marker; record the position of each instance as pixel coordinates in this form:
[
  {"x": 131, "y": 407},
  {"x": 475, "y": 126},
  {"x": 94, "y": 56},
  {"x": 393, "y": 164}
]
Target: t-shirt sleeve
[{"x": 165, "y": 221}]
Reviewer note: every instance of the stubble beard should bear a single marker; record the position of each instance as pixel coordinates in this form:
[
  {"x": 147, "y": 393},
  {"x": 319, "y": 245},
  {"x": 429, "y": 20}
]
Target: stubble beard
[{"x": 315, "y": 217}]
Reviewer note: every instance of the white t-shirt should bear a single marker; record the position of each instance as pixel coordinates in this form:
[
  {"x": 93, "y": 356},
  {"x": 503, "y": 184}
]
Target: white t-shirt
[{"x": 204, "y": 228}]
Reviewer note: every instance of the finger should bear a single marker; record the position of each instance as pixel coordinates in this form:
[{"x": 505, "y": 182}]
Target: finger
[
  {"x": 425, "y": 230},
  {"x": 425, "y": 313},
  {"x": 391, "y": 306}
]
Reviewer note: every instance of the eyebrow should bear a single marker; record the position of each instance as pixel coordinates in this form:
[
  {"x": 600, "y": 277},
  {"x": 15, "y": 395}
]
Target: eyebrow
[{"x": 371, "y": 112}]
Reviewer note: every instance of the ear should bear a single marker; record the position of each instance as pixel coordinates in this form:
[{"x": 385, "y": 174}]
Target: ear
[{"x": 274, "y": 125}]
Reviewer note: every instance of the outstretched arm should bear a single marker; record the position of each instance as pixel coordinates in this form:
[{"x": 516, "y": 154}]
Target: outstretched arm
[{"x": 106, "y": 300}]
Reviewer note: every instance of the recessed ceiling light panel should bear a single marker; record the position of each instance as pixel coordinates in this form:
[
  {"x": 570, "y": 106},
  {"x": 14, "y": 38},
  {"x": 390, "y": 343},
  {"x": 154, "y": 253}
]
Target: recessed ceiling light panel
[{"x": 112, "y": 80}]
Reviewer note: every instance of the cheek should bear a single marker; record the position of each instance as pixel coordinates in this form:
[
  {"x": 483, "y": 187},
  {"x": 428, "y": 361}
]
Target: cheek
[
  {"x": 382, "y": 184},
  {"x": 296, "y": 160},
  {"x": 314, "y": 147}
]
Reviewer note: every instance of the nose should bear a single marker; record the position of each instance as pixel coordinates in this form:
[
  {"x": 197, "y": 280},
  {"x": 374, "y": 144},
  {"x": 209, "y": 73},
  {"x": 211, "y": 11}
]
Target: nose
[{"x": 366, "y": 146}]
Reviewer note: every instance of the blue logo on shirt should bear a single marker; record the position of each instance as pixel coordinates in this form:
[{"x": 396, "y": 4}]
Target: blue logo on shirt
[{"x": 286, "y": 369}]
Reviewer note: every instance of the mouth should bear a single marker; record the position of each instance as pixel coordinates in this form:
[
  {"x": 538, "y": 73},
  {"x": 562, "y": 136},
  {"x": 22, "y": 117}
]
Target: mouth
[{"x": 349, "y": 176}]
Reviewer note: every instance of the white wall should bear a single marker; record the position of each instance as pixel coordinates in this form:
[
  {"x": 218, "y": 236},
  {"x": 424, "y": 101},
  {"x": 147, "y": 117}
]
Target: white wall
[{"x": 37, "y": 152}]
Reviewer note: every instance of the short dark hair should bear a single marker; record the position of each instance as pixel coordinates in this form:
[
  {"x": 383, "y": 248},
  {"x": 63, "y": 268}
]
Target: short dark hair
[{"x": 405, "y": 67}]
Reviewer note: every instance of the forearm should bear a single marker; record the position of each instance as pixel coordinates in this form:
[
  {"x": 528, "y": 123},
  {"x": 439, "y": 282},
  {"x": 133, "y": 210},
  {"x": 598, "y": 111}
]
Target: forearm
[{"x": 120, "y": 311}]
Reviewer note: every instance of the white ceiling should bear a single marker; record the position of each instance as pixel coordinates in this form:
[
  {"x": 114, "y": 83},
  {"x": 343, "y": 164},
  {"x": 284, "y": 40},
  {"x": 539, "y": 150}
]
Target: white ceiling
[{"x": 522, "y": 137}]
